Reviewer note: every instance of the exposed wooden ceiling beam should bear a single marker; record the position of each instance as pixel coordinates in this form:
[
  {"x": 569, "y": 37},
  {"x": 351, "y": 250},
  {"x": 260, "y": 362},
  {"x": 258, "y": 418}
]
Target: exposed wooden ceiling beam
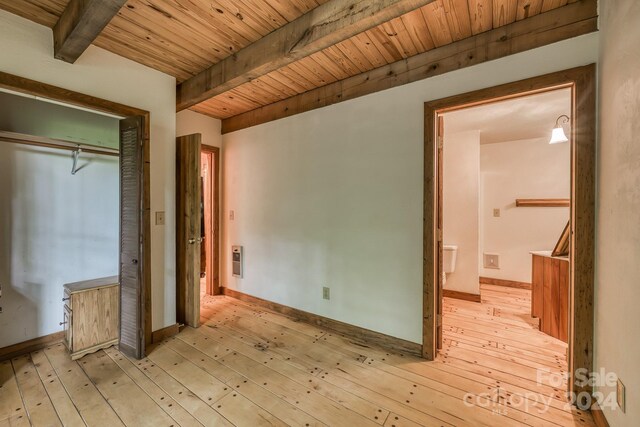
[
  {"x": 322, "y": 27},
  {"x": 79, "y": 25},
  {"x": 559, "y": 24}
]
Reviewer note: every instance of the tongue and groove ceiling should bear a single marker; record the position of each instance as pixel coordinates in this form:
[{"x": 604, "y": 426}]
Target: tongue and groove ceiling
[{"x": 184, "y": 37}]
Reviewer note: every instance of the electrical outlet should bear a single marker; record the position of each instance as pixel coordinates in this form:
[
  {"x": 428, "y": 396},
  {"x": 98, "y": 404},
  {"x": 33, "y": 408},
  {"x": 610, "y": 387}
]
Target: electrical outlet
[
  {"x": 232, "y": 215},
  {"x": 491, "y": 261},
  {"x": 159, "y": 218},
  {"x": 620, "y": 395},
  {"x": 325, "y": 293},
  {"x": 496, "y": 213}
]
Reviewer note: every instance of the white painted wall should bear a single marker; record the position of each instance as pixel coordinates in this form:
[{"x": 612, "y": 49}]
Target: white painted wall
[
  {"x": 617, "y": 343},
  {"x": 461, "y": 169},
  {"x": 189, "y": 122},
  {"x": 54, "y": 230},
  {"x": 523, "y": 169},
  {"x": 333, "y": 197},
  {"x": 27, "y": 51}
]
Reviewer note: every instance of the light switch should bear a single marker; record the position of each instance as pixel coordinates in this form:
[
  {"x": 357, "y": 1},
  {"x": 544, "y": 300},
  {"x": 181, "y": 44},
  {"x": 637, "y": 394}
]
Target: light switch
[
  {"x": 159, "y": 218},
  {"x": 232, "y": 215},
  {"x": 496, "y": 212}
]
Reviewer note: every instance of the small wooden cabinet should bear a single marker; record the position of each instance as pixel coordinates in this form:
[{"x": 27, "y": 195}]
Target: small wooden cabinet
[
  {"x": 550, "y": 294},
  {"x": 91, "y": 315}
]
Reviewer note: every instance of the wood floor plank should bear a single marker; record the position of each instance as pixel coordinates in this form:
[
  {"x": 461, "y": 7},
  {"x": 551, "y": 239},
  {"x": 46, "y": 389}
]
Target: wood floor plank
[
  {"x": 93, "y": 408},
  {"x": 290, "y": 370},
  {"x": 325, "y": 410},
  {"x": 12, "y": 411},
  {"x": 181, "y": 394},
  {"x": 131, "y": 403},
  {"x": 35, "y": 397},
  {"x": 62, "y": 403},
  {"x": 159, "y": 396}
]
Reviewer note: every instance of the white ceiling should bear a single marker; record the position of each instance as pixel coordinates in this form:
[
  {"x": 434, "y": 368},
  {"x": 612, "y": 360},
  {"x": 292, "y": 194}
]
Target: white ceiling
[{"x": 520, "y": 118}]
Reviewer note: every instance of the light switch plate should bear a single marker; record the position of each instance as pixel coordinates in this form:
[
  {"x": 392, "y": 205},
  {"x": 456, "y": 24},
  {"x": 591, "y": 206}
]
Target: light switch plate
[
  {"x": 160, "y": 218},
  {"x": 325, "y": 292},
  {"x": 491, "y": 261},
  {"x": 496, "y": 213},
  {"x": 232, "y": 215}
]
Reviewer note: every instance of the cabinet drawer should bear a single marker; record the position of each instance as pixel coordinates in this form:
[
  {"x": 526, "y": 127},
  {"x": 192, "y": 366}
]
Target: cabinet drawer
[{"x": 67, "y": 319}]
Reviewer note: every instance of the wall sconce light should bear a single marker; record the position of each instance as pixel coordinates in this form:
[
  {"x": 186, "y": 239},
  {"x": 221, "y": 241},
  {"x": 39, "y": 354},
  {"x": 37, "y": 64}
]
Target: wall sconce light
[{"x": 558, "y": 135}]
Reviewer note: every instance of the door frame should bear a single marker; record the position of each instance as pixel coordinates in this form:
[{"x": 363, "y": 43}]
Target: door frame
[
  {"x": 213, "y": 281},
  {"x": 44, "y": 90},
  {"x": 582, "y": 82}
]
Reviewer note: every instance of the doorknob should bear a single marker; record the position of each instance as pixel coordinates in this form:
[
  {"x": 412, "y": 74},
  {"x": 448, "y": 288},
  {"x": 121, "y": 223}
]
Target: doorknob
[
  {"x": 192, "y": 241},
  {"x": 134, "y": 261}
]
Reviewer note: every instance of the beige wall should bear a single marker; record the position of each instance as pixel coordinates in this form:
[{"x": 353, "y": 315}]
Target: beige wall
[
  {"x": 333, "y": 197},
  {"x": 461, "y": 169},
  {"x": 26, "y": 49},
  {"x": 617, "y": 333},
  {"x": 189, "y": 122},
  {"x": 523, "y": 169}
]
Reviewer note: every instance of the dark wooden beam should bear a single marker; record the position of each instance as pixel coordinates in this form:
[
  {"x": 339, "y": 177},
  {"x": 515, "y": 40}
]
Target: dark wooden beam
[
  {"x": 559, "y": 24},
  {"x": 79, "y": 25},
  {"x": 322, "y": 27}
]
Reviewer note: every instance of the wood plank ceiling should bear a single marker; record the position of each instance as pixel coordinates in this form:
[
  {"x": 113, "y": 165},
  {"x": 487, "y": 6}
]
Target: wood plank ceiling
[{"x": 184, "y": 37}]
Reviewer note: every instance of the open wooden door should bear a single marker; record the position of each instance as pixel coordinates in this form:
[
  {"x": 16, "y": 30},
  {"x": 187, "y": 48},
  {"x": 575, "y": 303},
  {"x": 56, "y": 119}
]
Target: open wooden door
[
  {"x": 439, "y": 219},
  {"x": 188, "y": 233},
  {"x": 132, "y": 292}
]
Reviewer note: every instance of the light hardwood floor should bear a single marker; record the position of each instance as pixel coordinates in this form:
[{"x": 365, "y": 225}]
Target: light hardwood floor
[{"x": 250, "y": 367}]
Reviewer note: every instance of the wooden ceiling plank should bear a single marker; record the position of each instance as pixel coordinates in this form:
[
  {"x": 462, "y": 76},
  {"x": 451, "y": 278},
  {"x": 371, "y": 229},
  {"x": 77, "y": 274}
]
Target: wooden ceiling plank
[
  {"x": 385, "y": 43},
  {"x": 399, "y": 35},
  {"x": 504, "y": 12},
  {"x": 265, "y": 11},
  {"x": 325, "y": 61},
  {"x": 548, "y": 5},
  {"x": 278, "y": 86},
  {"x": 528, "y": 8},
  {"x": 263, "y": 86},
  {"x": 418, "y": 30},
  {"x": 177, "y": 25},
  {"x": 138, "y": 34},
  {"x": 44, "y": 13},
  {"x": 326, "y": 25},
  {"x": 370, "y": 50},
  {"x": 316, "y": 69},
  {"x": 350, "y": 50},
  {"x": 291, "y": 10},
  {"x": 292, "y": 74},
  {"x": 80, "y": 24},
  {"x": 437, "y": 23},
  {"x": 457, "y": 12},
  {"x": 285, "y": 79},
  {"x": 342, "y": 61},
  {"x": 559, "y": 24},
  {"x": 189, "y": 40},
  {"x": 481, "y": 13},
  {"x": 107, "y": 42},
  {"x": 244, "y": 16},
  {"x": 256, "y": 94},
  {"x": 227, "y": 27}
]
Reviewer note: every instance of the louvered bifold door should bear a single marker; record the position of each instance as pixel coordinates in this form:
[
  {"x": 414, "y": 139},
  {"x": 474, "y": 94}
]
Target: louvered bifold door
[{"x": 131, "y": 211}]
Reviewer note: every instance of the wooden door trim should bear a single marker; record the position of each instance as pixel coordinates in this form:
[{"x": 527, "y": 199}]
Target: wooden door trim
[
  {"x": 55, "y": 93},
  {"x": 213, "y": 282},
  {"x": 581, "y": 80}
]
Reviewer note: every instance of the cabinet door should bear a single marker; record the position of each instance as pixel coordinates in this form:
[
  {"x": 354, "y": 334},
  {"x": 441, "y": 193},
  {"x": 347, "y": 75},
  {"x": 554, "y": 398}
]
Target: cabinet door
[
  {"x": 108, "y": 314},
  {"x": 537, "y": 281},
  {"x": 563, "y": 301},
  {"x": 67, "y": 328},
  {"x": 85, "y": 306}
]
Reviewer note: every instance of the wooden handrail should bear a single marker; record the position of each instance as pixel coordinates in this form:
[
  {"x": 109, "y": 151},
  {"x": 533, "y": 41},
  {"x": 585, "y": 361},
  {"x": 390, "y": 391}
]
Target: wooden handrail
[{"x": 543, "y": 203}]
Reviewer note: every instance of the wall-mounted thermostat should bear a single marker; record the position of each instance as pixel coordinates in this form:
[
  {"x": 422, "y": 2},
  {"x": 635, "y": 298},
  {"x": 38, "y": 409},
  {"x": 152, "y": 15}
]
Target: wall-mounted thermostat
[{"x": 236, "y": 261}]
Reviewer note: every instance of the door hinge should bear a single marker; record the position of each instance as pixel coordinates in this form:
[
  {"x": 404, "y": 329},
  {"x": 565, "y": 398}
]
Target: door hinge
[
  {"x": 440, "y": 143},
  {"x": 438, "y": 320},
  {"x": 439, "y": 232}
]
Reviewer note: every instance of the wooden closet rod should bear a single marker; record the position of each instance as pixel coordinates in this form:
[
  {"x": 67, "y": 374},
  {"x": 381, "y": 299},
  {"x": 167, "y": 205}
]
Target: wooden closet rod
[{"x": 19, "y": 138}]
